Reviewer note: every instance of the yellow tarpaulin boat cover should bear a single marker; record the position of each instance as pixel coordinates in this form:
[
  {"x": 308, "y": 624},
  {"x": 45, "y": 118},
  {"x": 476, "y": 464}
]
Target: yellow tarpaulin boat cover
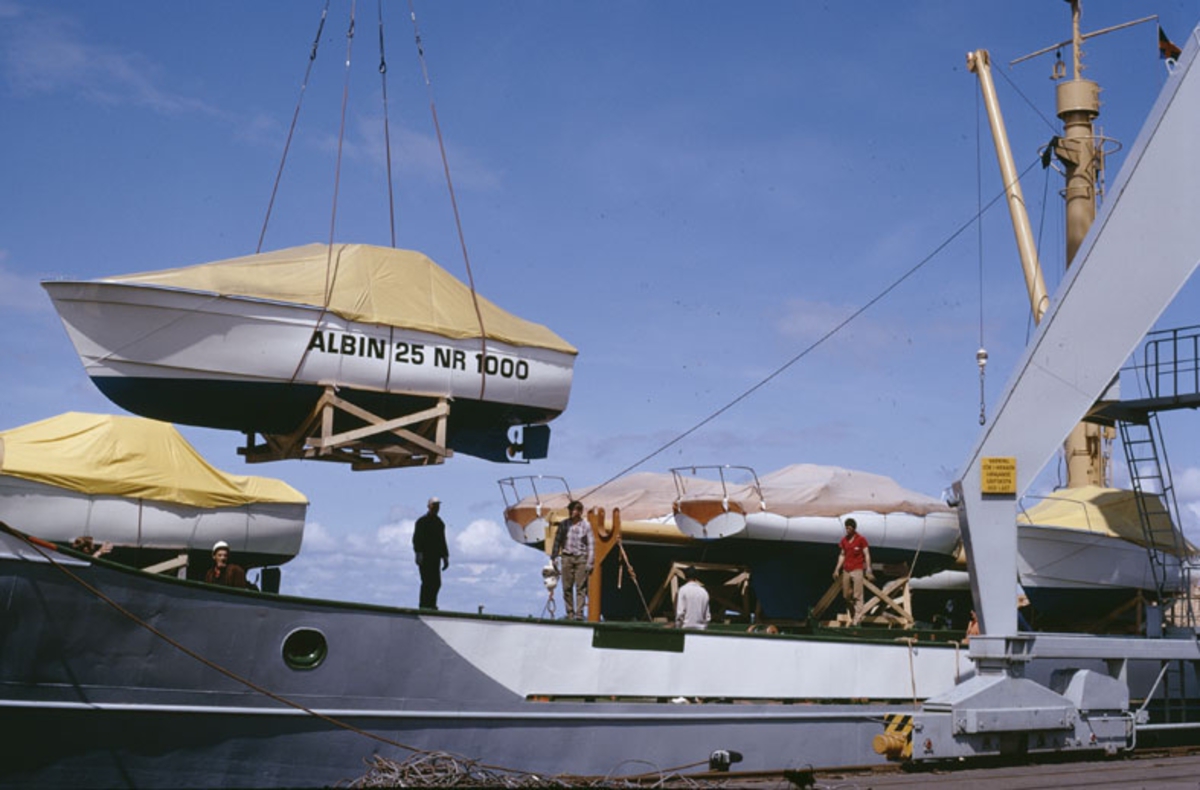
[
  {"x": 102, "y": 454},
  {"x": 375, "y": 285},
  {"x": 1108, "y": 511}
]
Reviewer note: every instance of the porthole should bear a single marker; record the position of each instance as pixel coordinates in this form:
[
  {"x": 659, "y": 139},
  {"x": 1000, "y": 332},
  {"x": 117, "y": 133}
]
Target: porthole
[{"x": 305, "y": 648}]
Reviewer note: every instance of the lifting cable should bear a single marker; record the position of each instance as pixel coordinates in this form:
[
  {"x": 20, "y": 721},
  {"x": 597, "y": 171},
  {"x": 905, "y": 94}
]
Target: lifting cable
[
  {"x": 453, "y": 202},
  {"x": 312, "y": 58},
  {"x": 962, "y": 228},
  {"x": 387, "y": 135},
  {"x": 981, "y": 356},
  {"x": 330, "y": 267},
  {"x": 41, "y": 546}
]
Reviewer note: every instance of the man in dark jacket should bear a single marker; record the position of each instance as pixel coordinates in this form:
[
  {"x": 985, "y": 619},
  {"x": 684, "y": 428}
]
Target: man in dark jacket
[
  {"x": 224, "y": 572},
  {"x": 429, "y": 545}
]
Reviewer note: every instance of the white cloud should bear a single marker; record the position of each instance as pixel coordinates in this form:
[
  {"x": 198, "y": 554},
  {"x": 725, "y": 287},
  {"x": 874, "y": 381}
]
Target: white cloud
[
  {"x": 486, "y": 568},
  {"x": 318, "y": 539},
  {"x": 485, "y": 541},
  {"x": 47, "y": 53},
  {"x": 1187, "y": 484},
  {"x": 395, "y": 539}
]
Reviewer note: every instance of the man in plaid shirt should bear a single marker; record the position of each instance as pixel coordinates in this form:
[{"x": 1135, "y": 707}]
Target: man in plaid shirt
[{"x": 574, "y": 553}]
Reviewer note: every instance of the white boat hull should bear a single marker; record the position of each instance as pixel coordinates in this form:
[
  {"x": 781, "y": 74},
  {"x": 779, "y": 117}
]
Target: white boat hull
[
  {"x": 269, "y": 531},
  {"x": 936, "y": 533},
  {"x": 1056, "y": 558},
  {"x": 140, "y": 343}
]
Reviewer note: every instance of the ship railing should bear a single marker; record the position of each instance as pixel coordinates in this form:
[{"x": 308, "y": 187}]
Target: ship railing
[
  {"x": 537, "y": 494},
  {"x": 1171, "y": 366},
  {"x": 738, "y": 484},
  {"x": 1023, "y": 516}
]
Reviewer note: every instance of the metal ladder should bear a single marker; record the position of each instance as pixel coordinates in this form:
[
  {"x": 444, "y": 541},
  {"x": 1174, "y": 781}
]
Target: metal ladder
[
  {"x": 1171, "y": 374},
  {"x": 1158, "y": 510}
]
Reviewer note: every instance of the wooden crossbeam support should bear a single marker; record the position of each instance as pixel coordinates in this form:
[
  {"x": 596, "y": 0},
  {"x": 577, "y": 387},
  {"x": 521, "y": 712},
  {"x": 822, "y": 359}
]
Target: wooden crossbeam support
[
  {"x": 826, "y": 600},
  {"x": 884, "y": 596},
  {"x": 881, "y": 598},
  {"x": 175, "y": 563},
  {"x": 408, "y": 437}
]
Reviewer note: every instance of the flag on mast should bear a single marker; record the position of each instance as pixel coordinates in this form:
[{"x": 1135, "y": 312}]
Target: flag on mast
[{"x": 1166, "y": 49}]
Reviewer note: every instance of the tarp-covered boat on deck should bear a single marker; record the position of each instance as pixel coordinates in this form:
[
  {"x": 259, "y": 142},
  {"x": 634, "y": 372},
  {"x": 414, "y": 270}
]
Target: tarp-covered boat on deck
[
  {"x": 139, "y": 485},
  {"x": 787, "y": 537}
]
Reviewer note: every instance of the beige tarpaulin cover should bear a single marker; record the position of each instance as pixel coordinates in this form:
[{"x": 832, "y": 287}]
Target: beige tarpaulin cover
[
  {"x": 375, "y": 285},
  {"x": 1108, "y": 511},
  {"x": 101, "y": 454},
  {"x": 812, "y": 490},
  {"x": 797, "y": 490}
]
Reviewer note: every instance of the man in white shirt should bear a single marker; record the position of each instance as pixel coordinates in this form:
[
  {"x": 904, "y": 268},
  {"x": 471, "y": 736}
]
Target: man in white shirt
[{"x": 691, "y": 604}]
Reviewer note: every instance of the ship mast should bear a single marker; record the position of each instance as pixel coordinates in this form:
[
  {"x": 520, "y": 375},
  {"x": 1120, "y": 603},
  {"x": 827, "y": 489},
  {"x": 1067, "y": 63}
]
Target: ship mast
[
  {"x": 1082, "y": 161},
  {"x": 1081, "y": 155}
]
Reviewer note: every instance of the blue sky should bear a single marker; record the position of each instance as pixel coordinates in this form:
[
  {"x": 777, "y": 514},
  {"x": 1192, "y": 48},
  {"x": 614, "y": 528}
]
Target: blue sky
[{"x": 690, "y": 193}]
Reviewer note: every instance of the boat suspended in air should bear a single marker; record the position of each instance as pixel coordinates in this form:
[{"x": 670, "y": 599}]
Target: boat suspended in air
[
  {"x": 402, "y": 353},
  {"x": 138, "y": 485}
]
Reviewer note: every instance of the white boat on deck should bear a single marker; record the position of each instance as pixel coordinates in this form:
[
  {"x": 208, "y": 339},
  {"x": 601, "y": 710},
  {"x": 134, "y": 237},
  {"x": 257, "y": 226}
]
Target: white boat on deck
[
  {"x": 810, "y": 503},
  {"x": 252, "y": 343},
  {"x": 800, "y": 503},
  {"x": 1082, "y": 558},
  {"x": 138, "y": 485},
  {"x": 1087, "y": 545},
  {"x": 784, "y": 529}
]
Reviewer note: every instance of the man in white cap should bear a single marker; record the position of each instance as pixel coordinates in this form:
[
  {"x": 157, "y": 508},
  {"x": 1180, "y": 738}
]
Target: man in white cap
[
  {"x": 429, "y": 545},
  {"x": 223, "y": 571}
]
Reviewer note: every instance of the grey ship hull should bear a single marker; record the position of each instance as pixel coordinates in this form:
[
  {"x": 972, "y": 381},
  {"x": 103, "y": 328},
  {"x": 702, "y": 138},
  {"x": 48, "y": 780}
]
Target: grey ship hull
[{"x": 91, "y": 696}]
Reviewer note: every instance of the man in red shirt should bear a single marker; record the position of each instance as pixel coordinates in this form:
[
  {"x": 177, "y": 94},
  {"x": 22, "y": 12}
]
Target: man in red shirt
[{"x": 855, "y": 559}]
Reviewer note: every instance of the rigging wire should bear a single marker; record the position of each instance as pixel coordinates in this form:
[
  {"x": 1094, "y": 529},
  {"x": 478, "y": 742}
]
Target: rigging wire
[
  {"x": 387, "y": 135},
  {"x": 981, "y": 356},
  {"x": 962, "y": 228},
  {"x": 312, "y": 58},
  {"x": 1050, "y": 124},
  {"x": 462, "y": 240},
  {"x": 330, "y": 269}
]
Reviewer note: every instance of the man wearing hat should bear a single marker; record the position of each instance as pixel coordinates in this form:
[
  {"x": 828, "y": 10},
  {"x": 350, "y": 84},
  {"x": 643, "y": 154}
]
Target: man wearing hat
[
  {"x": 429, "y": 545},
  {"x": 223, "y": 571}
]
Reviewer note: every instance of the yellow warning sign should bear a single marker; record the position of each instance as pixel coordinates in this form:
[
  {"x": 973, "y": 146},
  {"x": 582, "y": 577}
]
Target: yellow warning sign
[{"x": 998, "y": 476}]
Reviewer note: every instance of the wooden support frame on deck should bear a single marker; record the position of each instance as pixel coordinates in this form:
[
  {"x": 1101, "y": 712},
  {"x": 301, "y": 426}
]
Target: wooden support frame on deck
[
  {"x": 731, "y": 595},
  {"x": 889, "y": 605},
  {"x": 417, "y": 439}
]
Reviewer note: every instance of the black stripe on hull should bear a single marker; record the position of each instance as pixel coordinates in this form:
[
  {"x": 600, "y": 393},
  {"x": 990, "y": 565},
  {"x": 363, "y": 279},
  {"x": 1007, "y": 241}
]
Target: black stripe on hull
[{"x": 280, "y": 407}]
